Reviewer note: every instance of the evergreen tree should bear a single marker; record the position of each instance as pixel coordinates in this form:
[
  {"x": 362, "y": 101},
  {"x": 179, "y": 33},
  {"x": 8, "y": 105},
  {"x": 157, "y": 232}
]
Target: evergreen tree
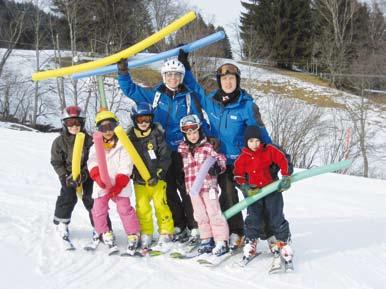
[{"x": 277, "y": 29}]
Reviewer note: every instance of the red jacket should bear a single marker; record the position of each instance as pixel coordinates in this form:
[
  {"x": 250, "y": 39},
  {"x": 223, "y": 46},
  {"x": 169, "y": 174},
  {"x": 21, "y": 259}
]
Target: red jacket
[{"x": 254, "y": 165}]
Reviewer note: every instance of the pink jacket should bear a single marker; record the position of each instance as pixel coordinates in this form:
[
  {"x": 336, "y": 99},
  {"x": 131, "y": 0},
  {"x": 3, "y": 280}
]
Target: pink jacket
[
  {"x": 118, "y": 162},
  {"x": 192, "y": 163}
]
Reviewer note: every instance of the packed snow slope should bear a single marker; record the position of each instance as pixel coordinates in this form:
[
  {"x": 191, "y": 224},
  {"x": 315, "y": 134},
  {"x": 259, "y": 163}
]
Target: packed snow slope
[{"x": 338, "y": 228}]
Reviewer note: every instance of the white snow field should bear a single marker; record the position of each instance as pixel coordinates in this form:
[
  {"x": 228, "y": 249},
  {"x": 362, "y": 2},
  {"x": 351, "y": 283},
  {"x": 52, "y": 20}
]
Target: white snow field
[{"x": 338, "y": 229}]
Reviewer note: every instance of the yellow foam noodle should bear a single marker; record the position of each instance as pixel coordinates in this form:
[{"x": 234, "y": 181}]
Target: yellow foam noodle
[
  {"x": 76, "y": 159},
  {"x": 138, "y": 47},
  {"x": 128, "y": 145}
]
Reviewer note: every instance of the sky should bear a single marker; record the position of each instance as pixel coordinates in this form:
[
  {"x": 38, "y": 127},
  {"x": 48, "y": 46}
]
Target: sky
[{"x": 221, "y": 14}]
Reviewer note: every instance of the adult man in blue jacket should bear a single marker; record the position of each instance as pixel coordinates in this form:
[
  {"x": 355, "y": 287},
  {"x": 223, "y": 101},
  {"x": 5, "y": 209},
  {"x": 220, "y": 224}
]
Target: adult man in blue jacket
[
  {"x": 171, "y": 101},
  {"x": 230, "y": 110}
]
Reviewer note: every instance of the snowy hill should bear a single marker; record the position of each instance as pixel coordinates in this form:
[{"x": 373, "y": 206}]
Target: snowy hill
[
  {"x": 264, "y": 85},
  {"x": 337, "y": 224}
]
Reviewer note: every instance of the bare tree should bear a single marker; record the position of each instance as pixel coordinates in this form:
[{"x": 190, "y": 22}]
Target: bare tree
[
  {"x": 296, "y": 127},
  {"x": 336, "y": 38},
  {"x": 58, "y": 63},
  {"x": 10, "y": 34},
  {"x": 164, "y": 12}
]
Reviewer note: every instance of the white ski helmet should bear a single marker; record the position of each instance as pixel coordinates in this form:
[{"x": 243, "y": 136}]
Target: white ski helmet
[
  {"x": 191, "y": 122},
  {"x": 173, "y": 65}
]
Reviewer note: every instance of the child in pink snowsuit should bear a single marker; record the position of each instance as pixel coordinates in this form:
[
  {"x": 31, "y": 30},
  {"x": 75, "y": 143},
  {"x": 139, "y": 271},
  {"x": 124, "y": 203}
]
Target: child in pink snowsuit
[
  {"x": 207, "y": 212},
  {"x": 119, "y": 166}
]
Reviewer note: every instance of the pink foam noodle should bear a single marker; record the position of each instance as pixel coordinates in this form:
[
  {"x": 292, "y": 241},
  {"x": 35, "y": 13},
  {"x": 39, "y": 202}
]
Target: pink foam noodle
[
  {"x": 202, "y": 173},
  {"x": 101, "y": 159}
]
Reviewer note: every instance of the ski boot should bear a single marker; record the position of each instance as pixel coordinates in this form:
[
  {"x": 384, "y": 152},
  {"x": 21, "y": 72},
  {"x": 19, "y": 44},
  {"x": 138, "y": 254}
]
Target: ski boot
[
  {"x": 206, "y": 246},
  {"x": 287, "y": 255},
  {"x": 180, "y": 235},
  {"x": 282, "y": 257},
  {"x": 146, "y": 241},
  {"x": 109, "y": 240},
  {"x": 62, "y": 229},
  {"x": 164, "y": 244},
  {"x": 64, "y": 235},
  {"x": 249, "y": 250},
  {"x": 221, "y": 248},
  {"x": 235, "y": 241},
  {"x": 194, "y": 238},
  {"x": 132, "y": 244}
]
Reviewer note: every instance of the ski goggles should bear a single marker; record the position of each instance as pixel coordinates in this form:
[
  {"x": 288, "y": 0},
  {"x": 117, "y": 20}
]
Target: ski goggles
[
  {"x": 72, "y": 122},
  {"x": 228, "y": 69},
  {"x": 109, "y": 126},
  {"x": 190, "y": 127},
  {"x": 143, "y": 118}
]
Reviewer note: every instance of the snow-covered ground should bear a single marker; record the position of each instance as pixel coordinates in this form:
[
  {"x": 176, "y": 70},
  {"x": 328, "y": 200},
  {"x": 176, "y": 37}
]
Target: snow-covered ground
[{"x": 337, "y": 221}]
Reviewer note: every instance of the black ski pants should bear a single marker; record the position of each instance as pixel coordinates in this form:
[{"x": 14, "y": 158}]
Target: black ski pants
[
  {"x": 228, "y": 198},
  {"x": 180, "y": 204},
  {"x": 266, "y": 218},
  {"x": 66, "y": 201}
]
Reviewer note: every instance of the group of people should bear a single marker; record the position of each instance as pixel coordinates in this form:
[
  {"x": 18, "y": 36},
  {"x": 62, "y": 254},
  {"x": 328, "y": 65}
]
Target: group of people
[{"x": 174, "y": 139}]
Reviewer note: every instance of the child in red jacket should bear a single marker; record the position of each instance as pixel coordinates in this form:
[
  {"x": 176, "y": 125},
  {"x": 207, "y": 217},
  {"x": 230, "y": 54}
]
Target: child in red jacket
[{"x": 252, "y": 170}]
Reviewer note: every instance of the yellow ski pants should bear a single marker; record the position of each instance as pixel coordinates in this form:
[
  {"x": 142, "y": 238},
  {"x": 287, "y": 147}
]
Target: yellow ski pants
[{"x": 144, "y": 195}]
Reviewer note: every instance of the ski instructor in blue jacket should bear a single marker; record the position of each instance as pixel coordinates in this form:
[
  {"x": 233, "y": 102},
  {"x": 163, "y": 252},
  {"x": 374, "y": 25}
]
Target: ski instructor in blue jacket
[
  {"x": 171, "y": 101},
  {"x": 230, "y": 110}
]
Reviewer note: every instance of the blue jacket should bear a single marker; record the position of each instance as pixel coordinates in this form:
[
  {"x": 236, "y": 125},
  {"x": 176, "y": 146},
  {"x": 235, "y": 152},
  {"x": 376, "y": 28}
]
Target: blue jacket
[
  {"x": 170, "y": 109},
  {"x": 229, "y": 121}
]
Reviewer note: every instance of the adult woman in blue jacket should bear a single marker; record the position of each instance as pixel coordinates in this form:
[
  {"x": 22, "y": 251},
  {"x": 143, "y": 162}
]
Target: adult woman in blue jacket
[
  {"x": 230, "y": 110},
  {"x": 171, "y": 101}
]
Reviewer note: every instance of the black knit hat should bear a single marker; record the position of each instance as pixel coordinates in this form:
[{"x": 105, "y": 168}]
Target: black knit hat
[{"x": 251, "y": 132}]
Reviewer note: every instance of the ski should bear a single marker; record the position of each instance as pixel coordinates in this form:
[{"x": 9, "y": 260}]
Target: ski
[
  {"x": 246, "y": 260},
  {"x": 288, "y": 266},
  {"x": 210, "y": 260},
  {"x": 113, "y": 250},
  {"x": 277, "y": 265},
  {"x": 92, "y": 246},
  {"x": 162, "y": 249},
  {"x": 186, "y": 252},
  {"x": 67, "y": 244}
]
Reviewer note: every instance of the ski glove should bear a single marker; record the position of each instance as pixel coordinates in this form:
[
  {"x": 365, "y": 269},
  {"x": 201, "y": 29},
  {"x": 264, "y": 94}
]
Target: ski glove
[
  {"x": 215, "y": 170},
  {"x": 122, "y": 67},
  {"x": 121, "y": 181},
  {"x": 73, "y": 184},
  {"x": 285, "y": 183},
  {"x": 253, "y": 190},
  {"x": 95, "y": 176},
  {"x": 183, "y": 58},
  {"x": 215, "y": 143}
]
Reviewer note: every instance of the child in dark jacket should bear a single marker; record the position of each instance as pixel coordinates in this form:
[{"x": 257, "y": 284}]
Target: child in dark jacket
[
  {"x": 61, "y": 160},
  {"x": 252, "y": 171},
  {"x": 149, "y": 141}
]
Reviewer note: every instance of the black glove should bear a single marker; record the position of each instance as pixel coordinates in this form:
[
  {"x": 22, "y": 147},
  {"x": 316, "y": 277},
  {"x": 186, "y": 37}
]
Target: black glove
[
  {"x": 152, "y": 181},
  {"x": 285, "y": 183},
  {"x": 122, "y": 67},
  {"x": 70, "y": 183},
  {"x": 215, "y": 170},
  {"x": 183, "y": 58},
  {"x": 215, "y": 143}
]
